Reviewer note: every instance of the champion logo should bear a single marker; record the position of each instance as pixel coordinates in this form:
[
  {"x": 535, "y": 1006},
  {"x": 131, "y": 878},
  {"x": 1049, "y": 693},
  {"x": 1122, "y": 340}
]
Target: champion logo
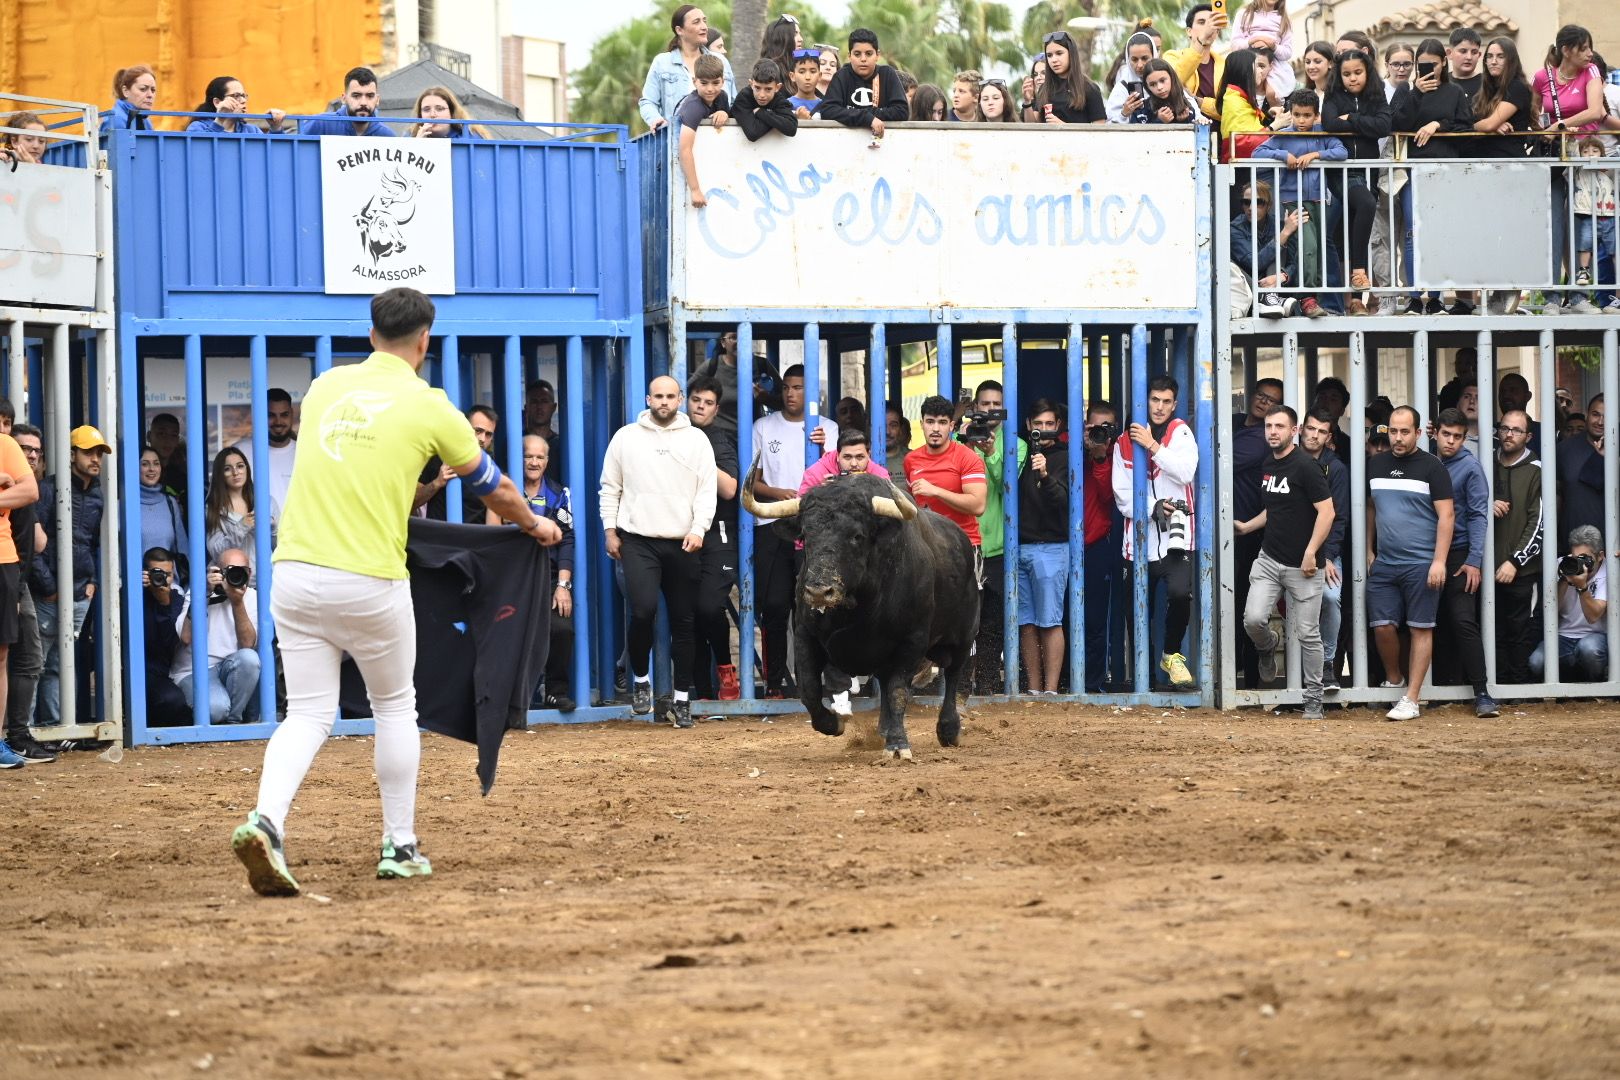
[{"x": 863, "y": 97}]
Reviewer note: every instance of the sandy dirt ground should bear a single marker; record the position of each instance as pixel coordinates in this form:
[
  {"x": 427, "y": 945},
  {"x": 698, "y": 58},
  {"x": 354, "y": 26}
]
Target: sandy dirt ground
[{"x": 1073, "y": 892}]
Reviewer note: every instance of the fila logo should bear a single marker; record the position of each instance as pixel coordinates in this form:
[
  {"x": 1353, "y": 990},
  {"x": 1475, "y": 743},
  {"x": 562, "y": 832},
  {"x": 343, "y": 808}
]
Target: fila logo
[{"x": 1277, "y": 485}]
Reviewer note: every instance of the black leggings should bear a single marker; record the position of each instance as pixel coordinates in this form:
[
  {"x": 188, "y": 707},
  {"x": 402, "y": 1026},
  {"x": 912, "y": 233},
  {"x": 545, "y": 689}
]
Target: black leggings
[
  {"x": 1363, "y": 208},
  {"x": 653, "y": 565},
  {"x": 1175, "y": 571},
  {"x": 718, "y": 559}
]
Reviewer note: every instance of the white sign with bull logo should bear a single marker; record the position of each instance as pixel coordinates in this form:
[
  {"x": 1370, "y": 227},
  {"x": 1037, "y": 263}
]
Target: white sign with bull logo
[{"x": 388, "y": 214}]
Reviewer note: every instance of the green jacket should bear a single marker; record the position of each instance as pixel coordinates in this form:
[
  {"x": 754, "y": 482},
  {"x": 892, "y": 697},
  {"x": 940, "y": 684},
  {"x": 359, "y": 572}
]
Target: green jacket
[{"x": 992, "y": 526}]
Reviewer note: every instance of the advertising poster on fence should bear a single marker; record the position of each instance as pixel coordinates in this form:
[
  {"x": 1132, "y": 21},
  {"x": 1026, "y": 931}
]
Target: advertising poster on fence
[
  {"x": 387, "y": 214},
  {"x": 989, "y": 218},
  {"x": 48, "y": 235}
]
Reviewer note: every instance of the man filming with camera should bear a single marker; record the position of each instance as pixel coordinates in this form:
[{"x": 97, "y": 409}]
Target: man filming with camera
[
  {"x": 1172, "y": 460},
  {"x": 162, "y": 605},
  {"x": 983, "y": 431},
  {"x": 233, "y": 637},
  {"x": 1583, "y": 602},
  {"x": 1043, "y": 548}
]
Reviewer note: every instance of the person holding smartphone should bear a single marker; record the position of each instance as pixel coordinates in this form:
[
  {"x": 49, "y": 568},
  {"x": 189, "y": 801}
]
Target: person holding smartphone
[
  {"x": 1434, "y": 109},
  {"x": 1128, "y": 95}
]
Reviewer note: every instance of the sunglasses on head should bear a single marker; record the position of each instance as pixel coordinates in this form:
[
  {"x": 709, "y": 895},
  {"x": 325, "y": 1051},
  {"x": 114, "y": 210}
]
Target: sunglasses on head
[
  {"x": 1056, "y": 35},
  {"x": 827, "y": 48},
  {"x": 806, "y": 54},
  {"x": 994, "y": 82},
  {"x": 788, "y": 19}
]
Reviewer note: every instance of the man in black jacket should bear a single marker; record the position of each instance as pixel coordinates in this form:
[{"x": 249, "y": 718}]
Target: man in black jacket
[
  {"x": 85, "y": 477},
  {"x": 865, "y": 93},
  {"x": 162, "y": 601},
  {"x": 761, "y": 107},
  {"x": 1043, "y": 549}
]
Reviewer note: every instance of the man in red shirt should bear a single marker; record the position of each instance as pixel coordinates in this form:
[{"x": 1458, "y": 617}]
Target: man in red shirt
[
  {"x": 1102, "y": 541},
  {"x": 947, "y": 477}
]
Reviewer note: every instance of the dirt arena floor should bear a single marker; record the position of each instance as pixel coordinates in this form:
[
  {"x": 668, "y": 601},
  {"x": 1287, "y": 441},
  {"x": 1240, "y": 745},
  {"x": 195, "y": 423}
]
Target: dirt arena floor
[{"x": 1074, "y": 892}]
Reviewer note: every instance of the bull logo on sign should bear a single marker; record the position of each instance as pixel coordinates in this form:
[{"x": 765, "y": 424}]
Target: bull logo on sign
[{"x": 379, "y": 221}]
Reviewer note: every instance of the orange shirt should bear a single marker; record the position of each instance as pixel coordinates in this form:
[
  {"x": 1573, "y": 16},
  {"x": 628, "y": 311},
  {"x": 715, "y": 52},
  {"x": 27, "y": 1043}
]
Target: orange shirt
[
  {"x": 13, "y": 464},
  {"x": 948, "y": 471}
]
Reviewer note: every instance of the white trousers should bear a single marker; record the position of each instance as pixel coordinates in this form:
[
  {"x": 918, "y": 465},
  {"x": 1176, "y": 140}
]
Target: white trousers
[{"x": 321, "y": 614}]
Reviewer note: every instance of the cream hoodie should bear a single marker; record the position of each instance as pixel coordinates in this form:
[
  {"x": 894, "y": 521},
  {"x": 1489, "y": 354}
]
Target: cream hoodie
[{"x": 658, "y": 482}]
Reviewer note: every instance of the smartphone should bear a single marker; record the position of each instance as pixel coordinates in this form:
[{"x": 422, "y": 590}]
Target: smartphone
[
  {"x": 963, "y": 395},
  {"x": 1218, "y": 7},
  {"x": 1426, "y": 68},
  {"x": 1133, "y": 87}
]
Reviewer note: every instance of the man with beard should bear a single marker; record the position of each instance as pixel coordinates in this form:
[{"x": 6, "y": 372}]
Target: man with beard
[
  {"x": 1316, "y": 439},
  {"x": 283, "y": 448},
  {"x": 1519, "y": 541},
  {"x": 1298, "y": 507},
  {"x": 359, "y": 103}
]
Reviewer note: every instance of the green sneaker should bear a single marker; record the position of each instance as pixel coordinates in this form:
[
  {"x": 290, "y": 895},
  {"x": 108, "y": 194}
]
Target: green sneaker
[
  {"x": 258, "y": 845},
  {"x": 402, "y": 861}
]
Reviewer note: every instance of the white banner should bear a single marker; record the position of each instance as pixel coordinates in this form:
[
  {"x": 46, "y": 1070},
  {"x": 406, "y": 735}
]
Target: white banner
[
  {"x": 387, "y": 214},
  {"x": 47, "y": 235},
  {"x": 958, "y": 214}
]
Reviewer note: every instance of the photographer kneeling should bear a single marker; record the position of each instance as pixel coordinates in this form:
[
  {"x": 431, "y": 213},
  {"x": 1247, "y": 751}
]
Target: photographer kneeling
[
  {"x": 162, "y": 605},
  {"x": 1583, "y": 592},
  {"x": 233, "y": 637}
]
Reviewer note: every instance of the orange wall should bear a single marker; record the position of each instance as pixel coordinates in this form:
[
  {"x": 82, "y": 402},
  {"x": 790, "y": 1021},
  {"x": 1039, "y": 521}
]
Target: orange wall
[{"x": 289, "y": 54}]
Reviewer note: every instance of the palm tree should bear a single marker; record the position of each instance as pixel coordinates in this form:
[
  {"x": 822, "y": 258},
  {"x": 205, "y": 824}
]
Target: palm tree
[
  {"x": 745, "y": 35},
  {"x": 977, "y": 31}
]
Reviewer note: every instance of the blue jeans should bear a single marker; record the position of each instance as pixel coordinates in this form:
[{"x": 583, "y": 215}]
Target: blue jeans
[
  {"x": 1601, "y": 265},
  {"x": 233, "y": 688},
  {"x": 1583, "y": 659},
  {"x": 50, "y": 676},
  {"x": 1331, "y": 616}
]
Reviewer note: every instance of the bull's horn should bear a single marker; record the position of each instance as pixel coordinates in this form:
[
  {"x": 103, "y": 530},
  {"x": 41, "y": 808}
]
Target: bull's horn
[
  {"x": 907, "y": 508},
  {"x": 786, "y": 508},
  {"x": 886, "y": 507}
]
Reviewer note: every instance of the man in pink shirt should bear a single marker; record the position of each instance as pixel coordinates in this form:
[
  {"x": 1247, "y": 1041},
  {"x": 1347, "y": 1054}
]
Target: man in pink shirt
[{"x": 852, "y": 456}]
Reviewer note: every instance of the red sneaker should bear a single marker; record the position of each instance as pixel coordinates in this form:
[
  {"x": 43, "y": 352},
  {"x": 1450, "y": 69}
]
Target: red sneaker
[{"x": 730, "y": 686}]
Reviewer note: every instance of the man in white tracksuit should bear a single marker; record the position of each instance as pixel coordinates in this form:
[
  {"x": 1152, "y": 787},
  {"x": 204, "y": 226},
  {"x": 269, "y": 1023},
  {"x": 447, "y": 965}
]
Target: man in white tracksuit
[{"x": 657, "y": 500}]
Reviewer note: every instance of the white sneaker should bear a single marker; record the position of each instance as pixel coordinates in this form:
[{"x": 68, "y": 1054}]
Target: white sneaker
[
  {"x": 1271, "y": 306},
  {"x": 1583, "y": 305},
  {"x": 1612, "y": 307},
  {"x": 1387, "y": 306},
  {"x": 1387, "y": 685},
  {"x": 1405, "y": 709}
]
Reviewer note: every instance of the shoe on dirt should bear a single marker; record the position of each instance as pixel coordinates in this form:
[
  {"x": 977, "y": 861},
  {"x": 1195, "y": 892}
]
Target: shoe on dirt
[
  {"x": 32, "y": 751},
  {"x": 402, "y": 861},
  {"x": 680, "y": 713},
  {"x": 641, "y": 699},
  {"x": 1405, "y": 709},
  {"x": 9, "y": 758},
  {"x": 258, "y": 845},
  {"x": 1313, "y": 710},
  {"x": 1485, "y": 707},
  {"x": 1175, "y": 666}
]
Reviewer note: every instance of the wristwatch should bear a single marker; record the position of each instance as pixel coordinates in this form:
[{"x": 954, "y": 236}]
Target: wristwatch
[{"x": 569, "y": 584}]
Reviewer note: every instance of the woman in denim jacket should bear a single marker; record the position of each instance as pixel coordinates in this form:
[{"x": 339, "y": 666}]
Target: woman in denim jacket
[{"x": 670, "y": 77}]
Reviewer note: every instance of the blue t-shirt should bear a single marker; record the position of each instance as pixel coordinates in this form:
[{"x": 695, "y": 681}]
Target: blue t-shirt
[
  {"x": 805, "y": 103},
  {"x": 1404, "y": 491}
]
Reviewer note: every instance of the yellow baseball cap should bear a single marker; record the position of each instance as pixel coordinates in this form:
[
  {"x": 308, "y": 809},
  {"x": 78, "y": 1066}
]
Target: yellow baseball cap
[{"x": 88, "y": 438}]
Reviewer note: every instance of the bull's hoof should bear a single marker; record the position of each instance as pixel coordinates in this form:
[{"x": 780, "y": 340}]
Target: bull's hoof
[
  {"x": 827, "y": 723},
  {"x": 897, "y": 753},
  {"x": 949, "y": 734}
]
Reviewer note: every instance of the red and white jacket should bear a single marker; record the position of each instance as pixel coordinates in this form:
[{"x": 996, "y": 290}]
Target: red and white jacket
[{"x": 1171, "y": 475}]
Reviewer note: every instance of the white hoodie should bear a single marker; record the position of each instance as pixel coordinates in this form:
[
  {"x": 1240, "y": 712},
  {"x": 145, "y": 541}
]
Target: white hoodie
[{"x": 658, "y": 481}]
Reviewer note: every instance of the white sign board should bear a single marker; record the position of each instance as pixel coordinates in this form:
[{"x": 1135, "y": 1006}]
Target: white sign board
[
  {"x": 957, "y": 214},
  {"x": 387, "y": 214},
  {"x": 47, "y": 236}
]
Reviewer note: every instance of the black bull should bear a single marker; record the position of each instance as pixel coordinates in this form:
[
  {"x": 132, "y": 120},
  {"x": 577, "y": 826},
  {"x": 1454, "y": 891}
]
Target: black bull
[{"x": 882, "y": 586}]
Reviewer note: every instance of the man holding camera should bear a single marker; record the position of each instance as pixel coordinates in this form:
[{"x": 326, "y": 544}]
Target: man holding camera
[
  {"x": 1043, "y": 549},
  {"x": 982, "y": 431},
  {"x": 1583, "y": 603},
  {"x": 1172, "y": 453},
  {"x": 162, "y": 607},
  {"x": 233, "y": 638},
  {"x": 1100, "y": 520},
  {"x": 1411, "y": 511},
  {"x": 1519, "y": 526},
  {"x": 1297, "y": 505}
]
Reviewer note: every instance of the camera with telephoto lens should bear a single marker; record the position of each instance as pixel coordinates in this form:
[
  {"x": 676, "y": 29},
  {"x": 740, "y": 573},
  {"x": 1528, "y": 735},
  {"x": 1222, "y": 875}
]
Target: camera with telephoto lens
[
  {"x": 980, "y": 423},
  {"x": 158, "y": 577},
  {"x": 1575, "y": 565},
  {"x": 236, "y": 576},
  {"x": 1099, "y": 434},
  {"x": 1173, "y": 516}
]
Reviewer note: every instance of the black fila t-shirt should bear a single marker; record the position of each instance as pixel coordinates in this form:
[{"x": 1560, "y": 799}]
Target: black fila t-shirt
[{"x": 1290, "y": 490}]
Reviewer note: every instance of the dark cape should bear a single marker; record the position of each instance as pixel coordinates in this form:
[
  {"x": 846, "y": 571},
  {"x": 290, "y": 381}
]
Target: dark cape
[{"x": 482, "y": 596}]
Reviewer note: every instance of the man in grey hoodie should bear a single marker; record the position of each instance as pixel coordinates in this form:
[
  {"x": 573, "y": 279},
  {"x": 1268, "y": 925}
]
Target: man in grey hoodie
[{"x": 657, "y": 502}]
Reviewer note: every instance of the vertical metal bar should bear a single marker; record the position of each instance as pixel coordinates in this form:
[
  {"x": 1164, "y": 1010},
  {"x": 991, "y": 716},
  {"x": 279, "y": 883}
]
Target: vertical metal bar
[
  {"x": 942, "y": 352},
  {"x": 1009, "y": 507},
  {"x": 745, "y": 523},
  {"x": 512, "y": 368},
  {"x": 877, "y": 405},
  {"x": 129, "y": 470},
  {"x": 259, "y": 408},
  {"x": 196, "y": 518},
  {"x": 1418, "y": 393},
  {"x": 1611, "y": 487},
  {"x": 61, "y": 457},
  {"x": 17, "y": 369},
  {"x": 1355, "y": 559},
  {"x": 1552, "y": 539},
  {"x": 1140, "y": 550},
  {"x": 812, "y": 392},
  {"x": 323, "y": 355},
  {"x": 1486, "y": 602},
  {"x": 574, "y": 434},
  {"x": 450, "y": 382},
  {"x": 1079, "y": 465},
  {"x": 1292, "y": 398},
  {"x": 1210, "y": 241}
]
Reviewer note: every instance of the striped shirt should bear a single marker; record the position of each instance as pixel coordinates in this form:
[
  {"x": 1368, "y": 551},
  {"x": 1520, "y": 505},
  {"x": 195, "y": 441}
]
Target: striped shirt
[{"x": 1404, "y": 492}]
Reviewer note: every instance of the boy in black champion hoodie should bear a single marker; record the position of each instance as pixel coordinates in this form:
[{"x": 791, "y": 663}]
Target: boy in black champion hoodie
[
  {"x": 761, "y": 107},
  {"x": 864, "y": 93}
]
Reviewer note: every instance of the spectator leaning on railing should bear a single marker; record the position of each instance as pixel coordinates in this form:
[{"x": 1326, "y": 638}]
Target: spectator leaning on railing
[
  {"x": 226, "y": 99},
  {"x": 21, "y": 146},
  {"x": 443, "y": 116},
  {"x": 358, "y": 107},
  {"x": 1067, "y": 96}
]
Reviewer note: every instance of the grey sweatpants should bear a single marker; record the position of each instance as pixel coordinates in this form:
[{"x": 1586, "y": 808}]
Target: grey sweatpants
[{"x": 1267, "y": 581}]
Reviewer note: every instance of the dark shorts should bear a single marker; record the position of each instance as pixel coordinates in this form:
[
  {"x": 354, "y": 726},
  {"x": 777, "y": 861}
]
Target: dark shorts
[
  {"x": 10, "y": 602},
  {"x": 1400, "y": 596}
]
